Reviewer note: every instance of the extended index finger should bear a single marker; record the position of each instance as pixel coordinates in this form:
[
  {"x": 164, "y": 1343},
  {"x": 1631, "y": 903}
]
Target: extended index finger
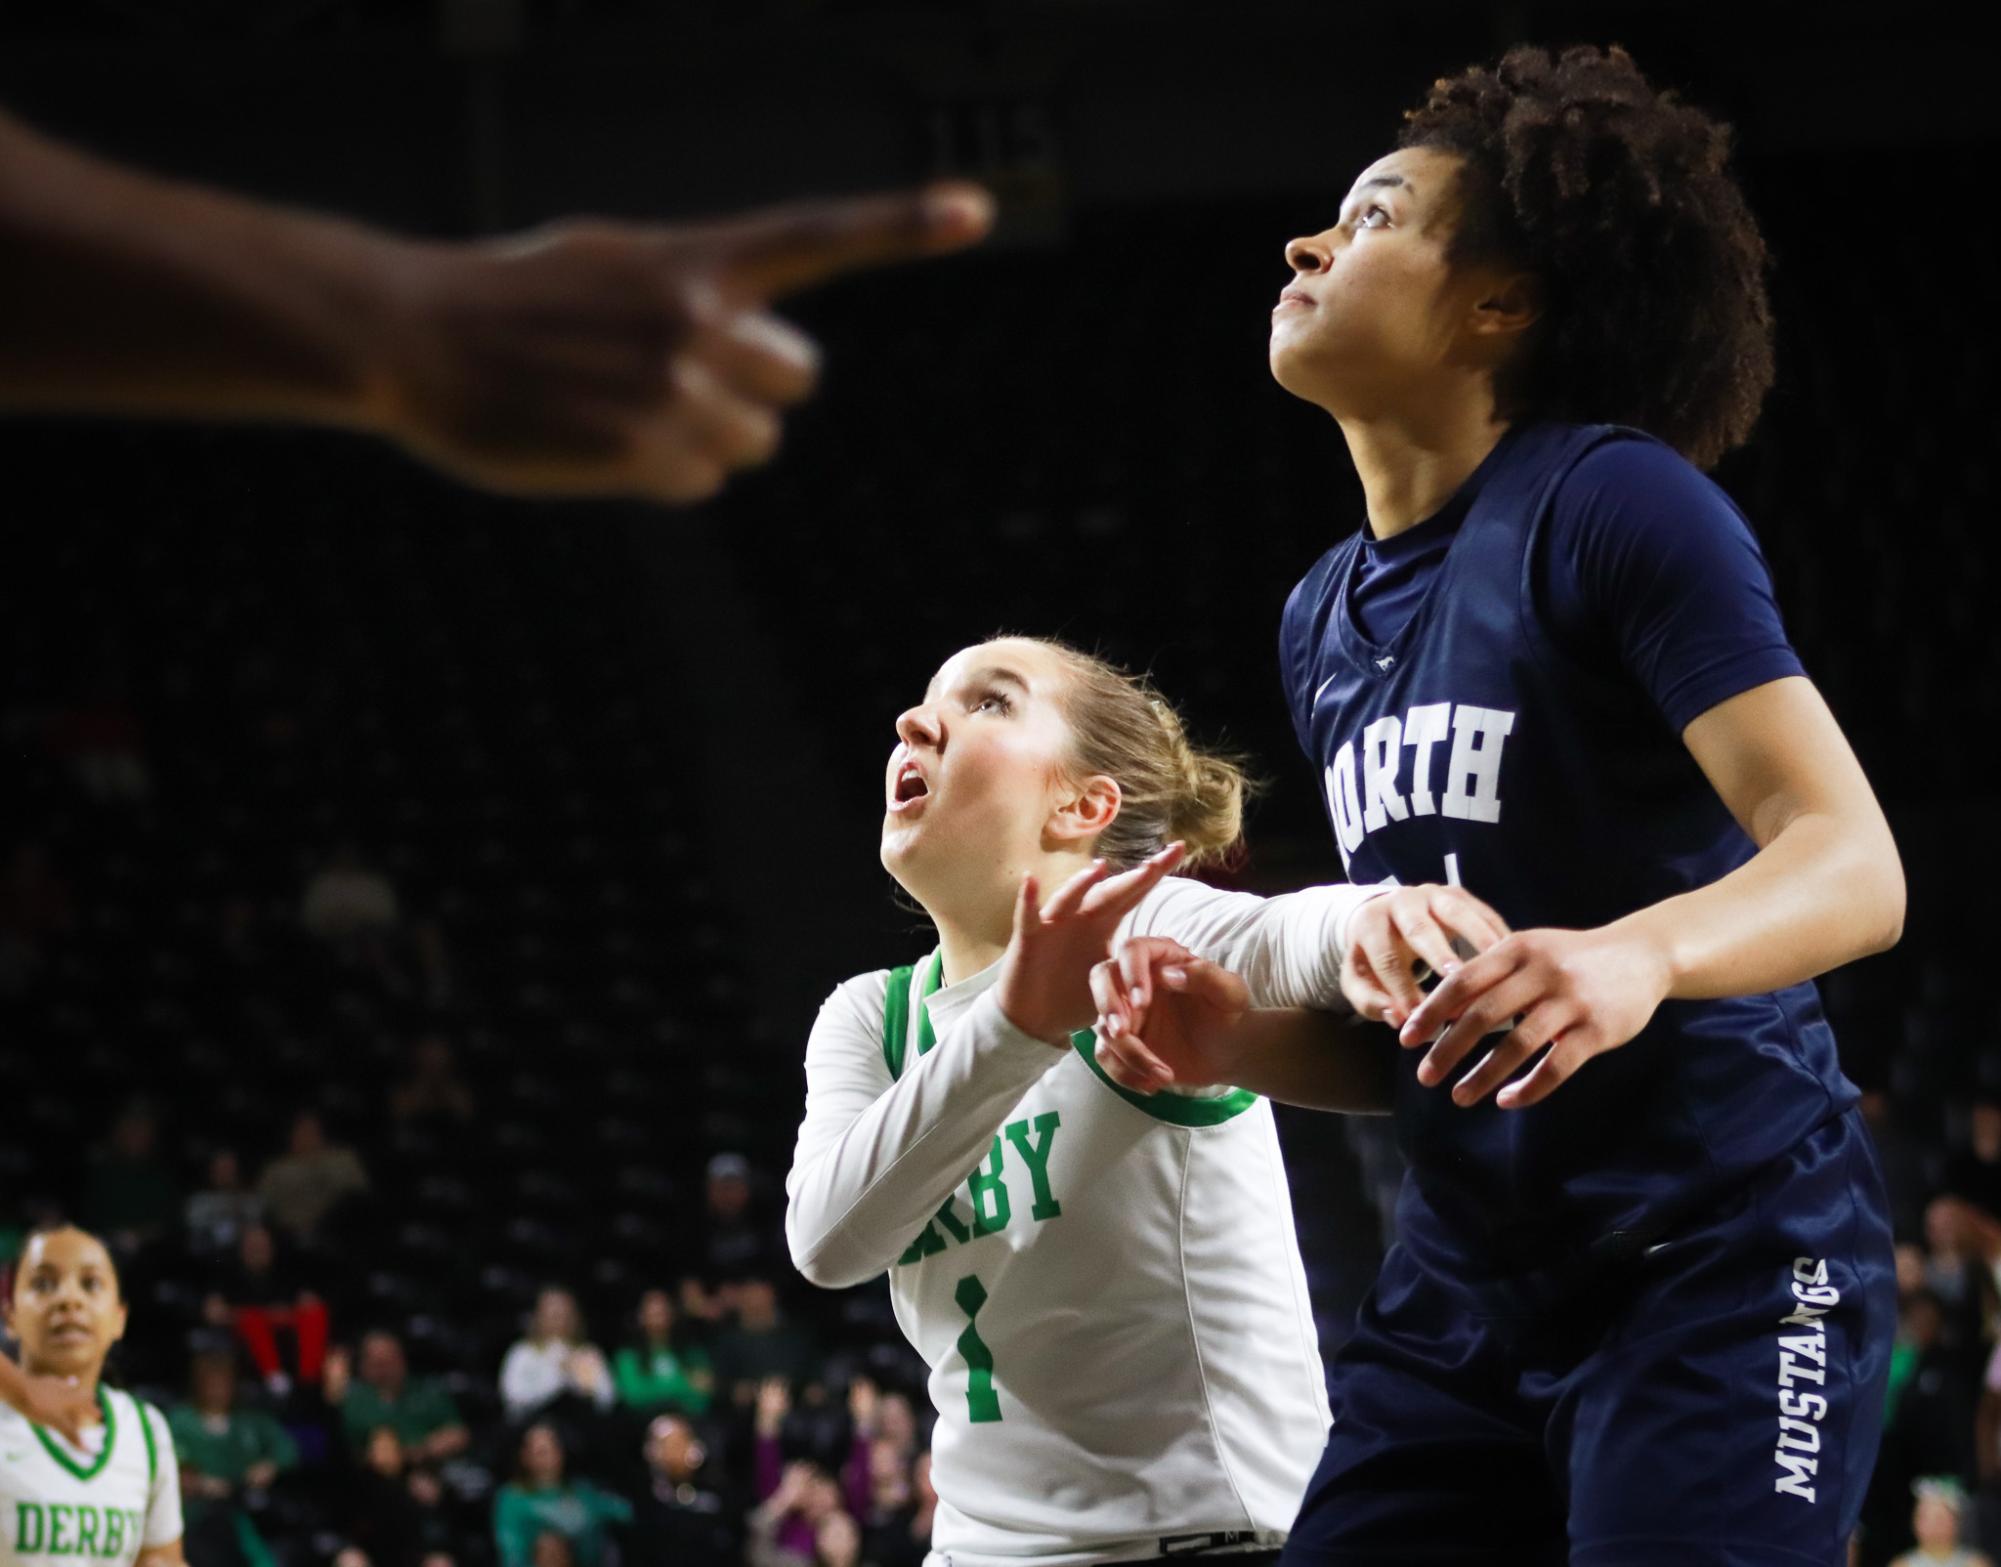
[{"x": 793, "y": 247}]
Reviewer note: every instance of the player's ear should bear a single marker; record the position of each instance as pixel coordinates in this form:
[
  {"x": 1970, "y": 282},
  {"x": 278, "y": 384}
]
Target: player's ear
[
  {"x": 1507, "y": 305},
  {"x": 1084, "y": 808},
  {"x": 118, "y": 1327}
]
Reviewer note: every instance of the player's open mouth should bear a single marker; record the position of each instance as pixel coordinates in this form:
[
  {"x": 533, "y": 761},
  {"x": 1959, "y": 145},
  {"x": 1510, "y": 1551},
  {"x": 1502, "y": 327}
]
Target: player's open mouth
[
  {"x": 68, "y": 1332},
  {"x": 910, "y": 787}
]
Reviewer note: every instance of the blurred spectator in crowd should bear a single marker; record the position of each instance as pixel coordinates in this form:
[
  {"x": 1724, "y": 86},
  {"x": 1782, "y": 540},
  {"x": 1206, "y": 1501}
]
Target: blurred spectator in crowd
[
  {"x": 735, "y": 1241},
  {"x": 130, "y": 1195},
  {"x": 345, "y": 898},
  {"x": 35, "y": 907},
  {"x": 311, "y": 1178},
  {"x": 393, "y": 1511},
  {"x": 760, "y": 1345},
  {"x": 1928, "y": 1419},
  {"x": 1974, "y": 1172},
  {"x": 1935, "y": 1522},
  {"x": 380, "y": 1394},
  {"x": 100, "y": 738},
  {"x": 355, "y": 1556},
  {"x": 221, "y": 1211},
  {"x": 1953, "y": 1271},
  {"x": 433, "y": 1091},
  {"x": 902, "y": 1538},
  {"x": 881, "y": 1479},
  {"x": 540, "y": 1500},
  {"x": 257, "y": 1293},
  {"x": 554, "y": 1361},
  {"x": 658, "y": 1371},
  {"x": 229, "y": 1457},
  {"x": 797, "y": 1502},
  {"x": 678, "y": 1519}
]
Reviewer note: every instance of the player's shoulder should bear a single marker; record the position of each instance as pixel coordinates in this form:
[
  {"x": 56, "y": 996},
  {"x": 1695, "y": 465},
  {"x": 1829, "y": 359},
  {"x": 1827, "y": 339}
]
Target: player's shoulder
[
  {"x": 1626, "y": 463},
  {"x": 148, "y": 1421}
]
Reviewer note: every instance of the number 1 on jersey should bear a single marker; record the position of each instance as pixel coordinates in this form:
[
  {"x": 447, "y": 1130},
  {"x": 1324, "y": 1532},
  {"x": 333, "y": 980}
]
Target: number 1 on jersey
[{"x": 982, "y": 1403}]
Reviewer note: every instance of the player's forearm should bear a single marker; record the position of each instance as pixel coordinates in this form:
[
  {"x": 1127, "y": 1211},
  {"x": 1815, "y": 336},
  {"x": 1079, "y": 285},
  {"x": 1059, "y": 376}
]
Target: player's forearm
[
  {"x": 123, "y": 292},
  {"x": 1318, "y": 1060},
  {"x": 1823, "y": 892},
  {"x": 858, "y": 1202}
]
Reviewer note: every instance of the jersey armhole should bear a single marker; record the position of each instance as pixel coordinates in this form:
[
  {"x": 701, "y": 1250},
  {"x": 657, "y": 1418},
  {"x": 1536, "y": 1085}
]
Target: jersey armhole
[
  {"x": 896, "y": 1019},
  {"x": 145, "y": 1414}
]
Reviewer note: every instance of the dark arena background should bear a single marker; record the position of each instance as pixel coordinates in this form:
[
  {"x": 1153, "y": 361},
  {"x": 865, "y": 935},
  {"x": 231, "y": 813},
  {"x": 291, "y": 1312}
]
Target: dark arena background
[{"x": 412, "y": 901}]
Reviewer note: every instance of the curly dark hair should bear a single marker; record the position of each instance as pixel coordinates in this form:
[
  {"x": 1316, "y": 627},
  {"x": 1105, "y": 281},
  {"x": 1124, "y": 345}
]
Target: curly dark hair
[{"x": 1618, "y": 196}]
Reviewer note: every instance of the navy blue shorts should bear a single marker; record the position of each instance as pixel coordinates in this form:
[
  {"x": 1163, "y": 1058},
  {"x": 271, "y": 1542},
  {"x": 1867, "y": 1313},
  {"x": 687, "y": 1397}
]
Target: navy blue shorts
[{"x": 1715, "y": 1402}]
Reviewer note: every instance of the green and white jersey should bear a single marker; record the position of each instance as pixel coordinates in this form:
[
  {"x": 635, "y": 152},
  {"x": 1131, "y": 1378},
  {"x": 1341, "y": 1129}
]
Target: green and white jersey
[
  {"x": 106, "y": 1501},
  {"x": 1112, "y": 1305}
]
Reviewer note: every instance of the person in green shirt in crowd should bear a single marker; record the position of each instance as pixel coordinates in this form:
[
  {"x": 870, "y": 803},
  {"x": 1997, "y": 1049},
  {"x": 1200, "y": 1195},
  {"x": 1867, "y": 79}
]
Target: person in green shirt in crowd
[
  {"x": 540, "y": 1501},
  {"x": 762, "y": 1343},
  {"x": 380, "y": 1391},
  {"x": 224, "y": 1452},
  {"x": 657, "y": 1374}
]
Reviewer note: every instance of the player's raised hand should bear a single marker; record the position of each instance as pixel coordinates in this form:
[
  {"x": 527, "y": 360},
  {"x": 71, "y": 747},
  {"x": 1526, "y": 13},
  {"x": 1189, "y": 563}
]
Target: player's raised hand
[
  {"x": 1571, "y": 993},
  {"x": 1388, "y": 937},
  {"x": 592, "y": 358},
  {"x": 1045, "y": 981},
  {"x": 1166, "y": 1017}
]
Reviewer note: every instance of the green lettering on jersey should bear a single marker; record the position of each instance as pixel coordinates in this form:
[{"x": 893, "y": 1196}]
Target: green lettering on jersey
[
  {"x": 928, "y": 1244},
  {"x": 114, "y": 1532},
  {"x": 31, "y": 1528},
  {"x": 87, "y": 1520},
  {"x": 60, "y": 1513},
  {"x": 982, "y": 1402},
  {"x": 991, "y": 1208},
  {"x": 949, "y": 1217},
  {"x": 1036, "y": 1156}
]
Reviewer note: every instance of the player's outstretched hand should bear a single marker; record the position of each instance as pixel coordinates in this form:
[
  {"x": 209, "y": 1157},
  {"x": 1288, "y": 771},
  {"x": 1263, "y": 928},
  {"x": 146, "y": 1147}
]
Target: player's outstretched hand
[
  {"x": 1166, "y": 1017},
  {"x": 58, "y": 1404},
  {"x": 1395, "y": 933},
  {"x": 1572, "y": 994},
  {"x": 1045, "y": 981},
  {"x": 593, "y": 358}
]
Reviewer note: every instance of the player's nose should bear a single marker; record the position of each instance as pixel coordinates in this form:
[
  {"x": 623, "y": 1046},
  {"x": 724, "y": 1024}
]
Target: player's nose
[
  {"x": 1309, "y": 253},
  {"x": 918, "y": 726}
]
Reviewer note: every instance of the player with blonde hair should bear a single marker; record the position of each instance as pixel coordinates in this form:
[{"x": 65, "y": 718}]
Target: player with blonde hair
[{"x": 1112, "y": 1303}]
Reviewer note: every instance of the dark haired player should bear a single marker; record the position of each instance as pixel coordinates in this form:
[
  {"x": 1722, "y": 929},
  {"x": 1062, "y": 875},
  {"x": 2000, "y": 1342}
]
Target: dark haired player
[
  {"x": 1641, "y": 1303},
  {"x": 112, "y": 1492}
]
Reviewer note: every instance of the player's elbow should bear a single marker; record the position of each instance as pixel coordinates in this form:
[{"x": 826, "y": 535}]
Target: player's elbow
[
  {"x": 816, "y": 1254},
  {"x": 1878, "y": 894}
]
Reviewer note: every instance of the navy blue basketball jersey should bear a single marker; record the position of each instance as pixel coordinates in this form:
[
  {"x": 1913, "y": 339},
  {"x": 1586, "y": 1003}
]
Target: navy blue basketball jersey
[{"x": 1519, "y": 732}]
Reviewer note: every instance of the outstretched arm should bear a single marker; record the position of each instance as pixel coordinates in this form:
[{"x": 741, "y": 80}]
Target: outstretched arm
[
  {"x": 1199, "y": 1029},
  {"x": 1825, "y": 887},
  {"x": 875, "y": 1158},
  {"x": 582, "y": 359}
]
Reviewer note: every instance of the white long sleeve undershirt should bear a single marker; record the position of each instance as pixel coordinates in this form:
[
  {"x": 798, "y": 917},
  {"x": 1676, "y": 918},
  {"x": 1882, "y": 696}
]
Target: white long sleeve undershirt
[{"x": 876, "y": 1156}]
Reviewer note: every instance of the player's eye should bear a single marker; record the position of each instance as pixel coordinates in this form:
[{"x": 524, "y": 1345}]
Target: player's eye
[
  {"x": 997, "y": 701},
  {"x": 1362, "y": 217}
]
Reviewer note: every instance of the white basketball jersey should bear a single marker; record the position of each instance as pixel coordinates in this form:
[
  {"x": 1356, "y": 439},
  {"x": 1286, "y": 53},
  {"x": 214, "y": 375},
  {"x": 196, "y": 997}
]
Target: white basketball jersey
[
  {"x": 1112, "y": 1305},
  {"x": 103, "y": 1502}
]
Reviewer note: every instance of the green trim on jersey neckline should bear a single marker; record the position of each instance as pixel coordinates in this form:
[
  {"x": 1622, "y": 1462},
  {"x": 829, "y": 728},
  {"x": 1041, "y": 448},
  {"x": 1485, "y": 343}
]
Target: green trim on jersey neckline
[
  {"x": 152, "y": 1447},
  {"x": 104, "y": 1453},
  {"x": 1176, "y": 1109}
]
